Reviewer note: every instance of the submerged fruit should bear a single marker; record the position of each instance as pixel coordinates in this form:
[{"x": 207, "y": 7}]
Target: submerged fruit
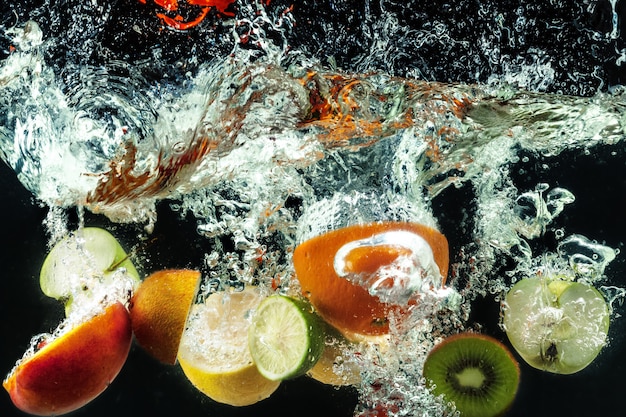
[
  {"x": 71, "y": 370},
  {"x": 333, "y": 367},
  {"x": 344, "y": 273},
  {"x": 158, "y": 311},
  {"x": 84, "y": 262},
  {"x": 475, "y": 372},
  {"x": 285, "y": 338},
  {"x": 214, "y": 353},
  {"x": 556, "y": 325}
]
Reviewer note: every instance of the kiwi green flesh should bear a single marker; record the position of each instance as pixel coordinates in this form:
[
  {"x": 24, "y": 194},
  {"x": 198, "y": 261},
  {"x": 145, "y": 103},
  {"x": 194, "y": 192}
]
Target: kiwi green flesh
[{"x": 475, "y": 372}]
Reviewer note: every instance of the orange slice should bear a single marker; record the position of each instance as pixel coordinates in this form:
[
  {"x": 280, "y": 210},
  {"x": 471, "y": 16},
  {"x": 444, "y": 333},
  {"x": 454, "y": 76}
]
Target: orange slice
[
  {"x": 345, "y": 305},
  {"x": 158, "y": 311}
]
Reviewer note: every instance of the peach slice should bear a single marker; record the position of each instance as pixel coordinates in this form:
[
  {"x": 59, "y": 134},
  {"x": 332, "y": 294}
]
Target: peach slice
[
  {"x": 159, "y": 309},
  {"x": 74, "y": 368}
]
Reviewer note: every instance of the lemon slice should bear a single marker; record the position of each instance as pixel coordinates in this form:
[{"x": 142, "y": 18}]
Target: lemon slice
[
  {"x": 286, "y": 338},
  {"x": 214, "y": 352}
]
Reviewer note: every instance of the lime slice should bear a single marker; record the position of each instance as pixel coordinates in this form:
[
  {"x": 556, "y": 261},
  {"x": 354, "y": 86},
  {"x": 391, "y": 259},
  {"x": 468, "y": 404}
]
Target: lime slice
[{"x": 285, "y": 338}]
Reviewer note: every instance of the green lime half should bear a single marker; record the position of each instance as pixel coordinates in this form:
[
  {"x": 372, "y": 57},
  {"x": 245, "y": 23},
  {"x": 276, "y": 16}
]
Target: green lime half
[{"x": 286, "y": 338}]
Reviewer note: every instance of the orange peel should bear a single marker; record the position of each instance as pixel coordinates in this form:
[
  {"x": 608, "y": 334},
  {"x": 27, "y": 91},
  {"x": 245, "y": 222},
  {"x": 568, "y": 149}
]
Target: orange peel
[
  {"x": 347, "y": 306},
  {"x": 159, "y": 309}
]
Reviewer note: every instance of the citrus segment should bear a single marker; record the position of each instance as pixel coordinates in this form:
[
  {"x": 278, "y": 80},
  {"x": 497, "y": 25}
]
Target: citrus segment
[
  {"x": 71, "y": 370},
  {"x": 214, "y": 353},
  {"x": 158, "y": 311},
  {"x": 349, "y": 307},
  {"x": 333, "y": 369},
  {"x": 285, "y": 338}
]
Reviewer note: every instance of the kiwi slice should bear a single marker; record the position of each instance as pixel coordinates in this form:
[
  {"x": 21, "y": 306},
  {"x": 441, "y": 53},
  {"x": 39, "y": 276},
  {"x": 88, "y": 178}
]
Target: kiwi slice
[{"x": 475, "y": 372}]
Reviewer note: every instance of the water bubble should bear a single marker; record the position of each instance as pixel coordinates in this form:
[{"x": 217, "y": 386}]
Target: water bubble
[
  {"x": 237, "y": 286},
  {"x": 613, "y": 295},
  {"x": 536, "y": 211},
  {"x": 588, "y": 259}
]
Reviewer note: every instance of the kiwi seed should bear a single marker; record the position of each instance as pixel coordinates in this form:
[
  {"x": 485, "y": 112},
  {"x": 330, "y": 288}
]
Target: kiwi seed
[{"x": 475, "y": 372}]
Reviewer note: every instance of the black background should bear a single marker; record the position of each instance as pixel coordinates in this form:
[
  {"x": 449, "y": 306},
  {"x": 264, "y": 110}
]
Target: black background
[{"x": 148, "y": 388}]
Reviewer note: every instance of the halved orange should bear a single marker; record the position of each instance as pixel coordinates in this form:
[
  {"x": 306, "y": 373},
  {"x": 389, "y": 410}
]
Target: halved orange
[
  {"x": 74, "y": 368},
  {"x": 347, "y": 306},
  {"x": 159, "y": 309}
]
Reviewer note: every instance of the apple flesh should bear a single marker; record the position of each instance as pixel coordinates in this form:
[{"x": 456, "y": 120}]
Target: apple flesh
[
  {"x": 556, "y": 325},
  {"x": 86, "y": 262},
  {"x": 73, "y": 369}
]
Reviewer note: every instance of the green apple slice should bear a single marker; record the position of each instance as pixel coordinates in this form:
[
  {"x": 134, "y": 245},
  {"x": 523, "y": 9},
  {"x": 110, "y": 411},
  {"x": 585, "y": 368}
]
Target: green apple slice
[
  {"x": 588, "y": 315},
  {"x": 556, "y": 325},
  {"x": 86, "y": 261}
]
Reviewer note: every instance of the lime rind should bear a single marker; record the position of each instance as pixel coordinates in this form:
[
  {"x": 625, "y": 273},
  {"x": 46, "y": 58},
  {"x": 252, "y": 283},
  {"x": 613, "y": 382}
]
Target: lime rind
[{"x": 286, "y": 338}]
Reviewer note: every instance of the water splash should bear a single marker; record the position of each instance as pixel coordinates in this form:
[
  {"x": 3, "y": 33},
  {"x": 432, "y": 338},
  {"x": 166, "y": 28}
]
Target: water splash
[
  {"x": 413, "y": 268},
  {"x": 586, "y": 258},
  {"x": 266, "y": 146},
  {"x": 536, "y": 212}
]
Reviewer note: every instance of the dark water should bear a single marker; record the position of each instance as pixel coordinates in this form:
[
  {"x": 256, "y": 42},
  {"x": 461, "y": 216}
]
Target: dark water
[{"x": 562, "y": 47}]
